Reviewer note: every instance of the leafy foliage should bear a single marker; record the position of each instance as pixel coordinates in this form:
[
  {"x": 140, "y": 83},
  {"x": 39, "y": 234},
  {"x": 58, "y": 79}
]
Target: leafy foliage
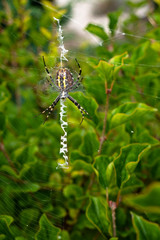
[{"x": 111, "y": 189}]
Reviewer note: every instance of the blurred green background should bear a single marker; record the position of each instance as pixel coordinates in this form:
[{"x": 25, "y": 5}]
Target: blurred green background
[{"x": 111, "y": 189}]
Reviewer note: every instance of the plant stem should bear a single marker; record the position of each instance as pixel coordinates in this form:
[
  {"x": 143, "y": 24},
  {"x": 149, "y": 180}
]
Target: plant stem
[
  {"x": 113, "y": 207},
  {"x": 102, "y": 139},
  {"x": 3, "y": 150}
]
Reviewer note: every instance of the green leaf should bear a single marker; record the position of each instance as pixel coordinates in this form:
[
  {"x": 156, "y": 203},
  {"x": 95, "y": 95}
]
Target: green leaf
[
  {"x": 25, "y": 155},
  {"x": 101, "y": 164},
  {"x": 59, "y": 212},
  {"x": 23, "y": 187},
  {"x": 76, "y": 155},
  {"x": 147, "y": 201},
  {"x": 9, "y": 170},
  {"x": 108, "y": 70},
  {"x": 90, "y": 144},
  {"x": 76, "y": 235},
  {"x": 46, "y": 230},
  {"x": 132, "y": 184},
  {"x": 46, "y": 33},
  {"x": 20, "y": 238},
  {"x": 113, "y": 20},
  {"x": 145, "y": 230},
  {"x": 28, "y": 217},
  {"x": 144, "y": 53},
  {"x": 4, "y": 96},
  {"x": 88, "y": 103},
  {"x": 7, "y": 218},
  {"x": 83, "y": 222},
  {"x": 73, "y": 190},
  {"x": 118, "y": 61},
  {"x": 105, "y": 71},
  {"x": 97, "y": 215},
  {"x": 157, "y": 1},
  {"x": 5, "y": 230},
  {"x": 64, "y": 235},
  {"x": 127, "y": 112},
  {"x": 136, "y": 4},
  {"x": 80, "y": 165},
  {"x": 127, "y": 161},
  {"x": 6, "y": 206},
  {"x": 97, "y": 30},
  {"x": 2, "y": 122},
  {"x": 143, "y": 135},
  {"x": 111, "y": 176},
  {"x": 121, "y": 169}
]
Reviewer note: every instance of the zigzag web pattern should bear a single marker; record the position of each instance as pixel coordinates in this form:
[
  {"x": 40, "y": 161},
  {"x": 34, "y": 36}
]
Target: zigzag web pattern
[{"x": 64, "y": 124}]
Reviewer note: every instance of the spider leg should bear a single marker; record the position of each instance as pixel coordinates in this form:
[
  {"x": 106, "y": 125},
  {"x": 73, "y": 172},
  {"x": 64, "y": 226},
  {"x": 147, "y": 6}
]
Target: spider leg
[
  {"x": 53, "y": 87},
  {"x": 74, "y": 86},
  {"x": 78, "y": 78},
  {"x": 50, "y": 108},
  {"x": 81, "y": 109},
  {"x": 49, "y": 82},
  {"x": 49, "y": 73},
  {"x": 80, "y": 70}
]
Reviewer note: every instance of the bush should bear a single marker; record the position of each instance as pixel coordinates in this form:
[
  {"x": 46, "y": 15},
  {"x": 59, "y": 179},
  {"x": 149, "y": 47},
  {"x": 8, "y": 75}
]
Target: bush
[{"x": 111, "y": 189}]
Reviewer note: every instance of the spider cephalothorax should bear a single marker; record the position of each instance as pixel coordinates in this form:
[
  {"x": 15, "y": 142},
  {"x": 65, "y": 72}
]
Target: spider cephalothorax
[{"x": 64, "y": 83}]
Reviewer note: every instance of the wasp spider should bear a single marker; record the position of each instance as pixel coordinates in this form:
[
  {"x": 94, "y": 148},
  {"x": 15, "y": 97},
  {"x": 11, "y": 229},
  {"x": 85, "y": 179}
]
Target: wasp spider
[{"x": 64, "y": 84}]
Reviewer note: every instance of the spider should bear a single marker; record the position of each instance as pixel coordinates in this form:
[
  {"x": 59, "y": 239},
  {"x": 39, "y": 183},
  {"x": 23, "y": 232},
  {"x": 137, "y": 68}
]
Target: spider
[{"x": 64, "y": 83}]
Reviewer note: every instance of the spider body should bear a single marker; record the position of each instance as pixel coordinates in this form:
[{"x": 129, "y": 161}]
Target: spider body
[
  {"x": 64, "y": 83},
  {"x": 64, "y": 78}
]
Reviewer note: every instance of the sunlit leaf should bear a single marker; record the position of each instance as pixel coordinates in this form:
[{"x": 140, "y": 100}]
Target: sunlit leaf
[
  {"x": 118, "y": 61},
  {"x": 105, "y": 71},
  {"x": 113, "y": 20},
  {"x": 97, "y": 30},
  {"x": 108, "y": 70},
  {"x": 46, "y": 33},
  {"x": 127, "y": 112},
  {"x": 157, "y": 1}
]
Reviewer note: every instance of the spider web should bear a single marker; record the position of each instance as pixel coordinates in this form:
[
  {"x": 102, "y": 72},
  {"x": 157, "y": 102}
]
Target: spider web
[{"x": 51, "y": 195}]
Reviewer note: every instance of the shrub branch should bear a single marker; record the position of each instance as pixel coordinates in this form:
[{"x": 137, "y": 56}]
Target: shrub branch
[{"x": 103, "y": 137}]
